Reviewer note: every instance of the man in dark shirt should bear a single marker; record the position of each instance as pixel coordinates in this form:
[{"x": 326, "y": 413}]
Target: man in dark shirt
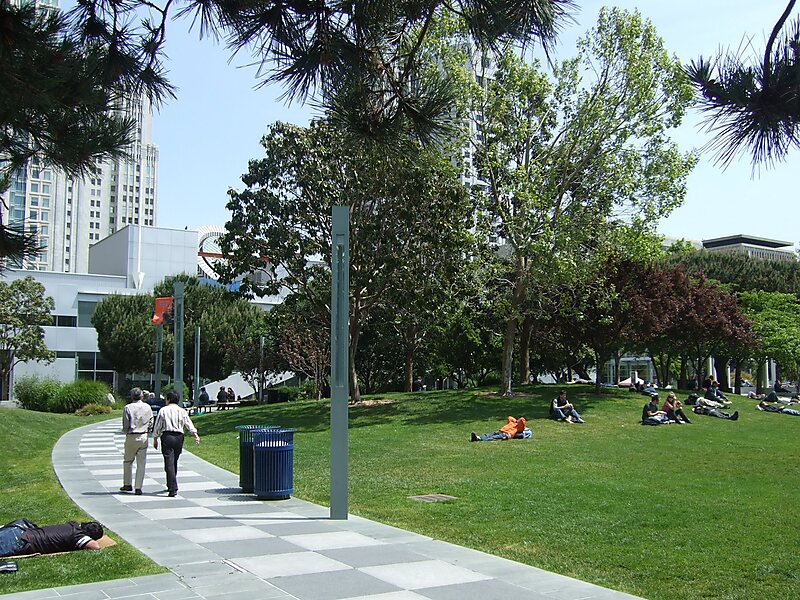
[
  {"x": 651, "y": 415},
  {"x": 23, "y": 537}
]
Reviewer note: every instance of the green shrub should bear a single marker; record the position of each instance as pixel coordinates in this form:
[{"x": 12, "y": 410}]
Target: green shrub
[
  {"x": 34, "y": 393},
  {"x": 186, "y": 394},
  {"x": 93, "y": 409},
  {"x": 74, "y": 395}
]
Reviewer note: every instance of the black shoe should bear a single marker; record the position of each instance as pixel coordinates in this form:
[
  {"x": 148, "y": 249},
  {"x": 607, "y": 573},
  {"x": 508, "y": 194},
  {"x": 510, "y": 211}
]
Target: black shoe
[
  {"x": 473, "y": 437},
  {"x": 138, "y": 492},
  {"x": 735, "y": 416},
  {"x": 8, "y": 566},
  {"x": 126, "y": 488},
  {"x": 172, "y": 494}
]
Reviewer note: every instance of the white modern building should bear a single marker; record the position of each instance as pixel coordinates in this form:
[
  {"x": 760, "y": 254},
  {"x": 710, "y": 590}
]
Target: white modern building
[
  {"x": 752, "y": 246},
  {"x": 130, "y": 261}
]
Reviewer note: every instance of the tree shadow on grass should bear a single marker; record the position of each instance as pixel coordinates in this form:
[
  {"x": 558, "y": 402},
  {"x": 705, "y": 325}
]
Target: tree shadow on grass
[{"x": 454, "y": 407}]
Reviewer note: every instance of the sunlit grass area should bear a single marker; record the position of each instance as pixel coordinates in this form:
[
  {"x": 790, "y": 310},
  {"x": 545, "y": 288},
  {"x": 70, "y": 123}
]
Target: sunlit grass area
[
  {"x": 672, "y": 512},
  {"x": 30, "y": 489}
]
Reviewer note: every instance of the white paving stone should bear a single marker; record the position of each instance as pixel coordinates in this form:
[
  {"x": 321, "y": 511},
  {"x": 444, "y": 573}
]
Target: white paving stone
[
  {"x": 404, "y": 595},
  {"x": 183, "y": 512},
  {"x": 293, "y": 563},
  {"x": 197, "y": 486},
  {"x": 331, "y": 539},
  {"x": 103, "y": 462},
  {"x": 223, "y": 534},
  {"x": 423, "y": 574}
]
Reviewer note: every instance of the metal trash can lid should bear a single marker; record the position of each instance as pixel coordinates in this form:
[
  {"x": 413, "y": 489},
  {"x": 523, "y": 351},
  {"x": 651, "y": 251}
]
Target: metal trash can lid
[
  {"x": 276, "y": 436},
  {"x": 246, "y": 431}
]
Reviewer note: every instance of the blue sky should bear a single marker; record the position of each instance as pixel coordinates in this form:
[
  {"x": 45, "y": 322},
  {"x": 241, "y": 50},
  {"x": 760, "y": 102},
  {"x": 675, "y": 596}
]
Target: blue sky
[{"x": 207, "y": 135}]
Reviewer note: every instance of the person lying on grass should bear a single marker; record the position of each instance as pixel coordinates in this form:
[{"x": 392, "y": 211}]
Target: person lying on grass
[
  {"x": 22, "y": 537},
  {"x": 512, "y": 429},
  {"x": 715, "y": 412},
  {"x": 767, "y": 407}
]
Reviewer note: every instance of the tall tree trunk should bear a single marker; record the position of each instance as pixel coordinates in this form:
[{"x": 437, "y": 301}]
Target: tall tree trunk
[
  {"x": 598, "y": 366},
  {"x": 682, "y": 377},
  {"x": 352, "y": 374},
  {"x": 525, "y": 350},
  {"x": 517, "y": 297},
  {"x": 617, "y": 362},
  {"x": 737, "y": 377},
  {"x": 722, "y": 374},
  {"x": 410, "y": 343}
]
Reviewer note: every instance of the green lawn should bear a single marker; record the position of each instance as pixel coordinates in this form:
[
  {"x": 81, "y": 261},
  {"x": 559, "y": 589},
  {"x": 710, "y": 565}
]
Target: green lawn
[
  {"x": 30, "y": 489},
  {"x": 672, "y": 512}
]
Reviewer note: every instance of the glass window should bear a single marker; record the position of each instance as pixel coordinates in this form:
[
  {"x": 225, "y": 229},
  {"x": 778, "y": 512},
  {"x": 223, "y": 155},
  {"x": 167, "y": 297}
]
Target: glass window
[
  {"x": 45, "y": 216},
  {"x": 34, "y": 200},
  {"x": 45, "y": 202},
  {"x": 34, "y": 215},
  {"x": 66, "y": 321},
  {"x": 65, "y": 354},
  {"x": 85, "y": 311},
  {"x": 46, "y": 175},
  {"x": 44, "y": 230},
  {"x": 34, "y": 187},
  {"x": 45, "y": 188},
  {"x": 86, "y": 361}
]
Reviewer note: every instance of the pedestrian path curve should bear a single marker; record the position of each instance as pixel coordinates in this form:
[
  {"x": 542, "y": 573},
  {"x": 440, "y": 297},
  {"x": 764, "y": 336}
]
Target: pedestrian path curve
[{"x": 224, "y": 545}]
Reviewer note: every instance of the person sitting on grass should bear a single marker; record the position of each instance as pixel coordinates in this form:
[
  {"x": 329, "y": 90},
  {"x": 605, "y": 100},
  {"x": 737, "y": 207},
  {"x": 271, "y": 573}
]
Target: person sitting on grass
[
  {"x": 674, "y": 409},
  {"x": 651, "y": 415},
  {"x": 714, "y": 394},
  {"x": 563, "y": 410},
  {"x": 767, "y": 407},
  {"x": 22, "y": 537},
  {"x": 715, "y": 412},
  {"x": 512, "y": 429}
]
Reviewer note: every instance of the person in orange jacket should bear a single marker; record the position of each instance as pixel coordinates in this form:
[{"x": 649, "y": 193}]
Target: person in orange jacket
[{"x": 512, "y": 429}]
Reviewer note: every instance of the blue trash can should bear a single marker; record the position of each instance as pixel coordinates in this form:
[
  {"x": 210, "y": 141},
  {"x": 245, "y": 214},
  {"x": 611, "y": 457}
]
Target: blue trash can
[
  {"x": 246, "y": 455},
  {"x": 273, "y": 463}
]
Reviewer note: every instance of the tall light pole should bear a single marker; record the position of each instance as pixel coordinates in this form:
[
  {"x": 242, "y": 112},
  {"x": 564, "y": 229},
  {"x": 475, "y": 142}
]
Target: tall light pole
[{"x": 340, "y": 338}]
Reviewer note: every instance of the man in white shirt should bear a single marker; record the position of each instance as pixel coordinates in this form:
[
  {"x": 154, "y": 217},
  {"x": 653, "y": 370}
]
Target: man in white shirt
[
  {"x": 171, "y": 422},
  {"x": 136, "y": 418}
]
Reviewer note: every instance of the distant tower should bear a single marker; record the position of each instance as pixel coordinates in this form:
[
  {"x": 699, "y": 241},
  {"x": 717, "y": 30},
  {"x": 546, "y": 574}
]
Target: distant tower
[{"x": 70, "y": 215}]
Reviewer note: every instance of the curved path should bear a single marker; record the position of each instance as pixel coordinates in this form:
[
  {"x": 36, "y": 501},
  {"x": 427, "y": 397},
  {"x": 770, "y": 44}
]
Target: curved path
[{"x": 221, "y": 544}]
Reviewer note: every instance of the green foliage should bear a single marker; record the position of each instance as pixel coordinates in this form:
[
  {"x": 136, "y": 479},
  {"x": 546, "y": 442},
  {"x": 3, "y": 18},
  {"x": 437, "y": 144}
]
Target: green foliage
[
  {"x": 73, "y": 396},
  {"x": 93, "y": 409},
  {"x": 34, "y": 393},
  {"x": 564, "y": 156},
  {"x": 125, "y": 335},
  {"x": 776, "y": 323},
  {"x": 171, "y": 386},
  {"x": 741, "y": 272}
]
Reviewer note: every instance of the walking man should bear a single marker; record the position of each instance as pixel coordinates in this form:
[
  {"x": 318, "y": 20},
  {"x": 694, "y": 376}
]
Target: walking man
[
  {"x": 171, "y": 422},
  {"x": 136, "y": 418}
]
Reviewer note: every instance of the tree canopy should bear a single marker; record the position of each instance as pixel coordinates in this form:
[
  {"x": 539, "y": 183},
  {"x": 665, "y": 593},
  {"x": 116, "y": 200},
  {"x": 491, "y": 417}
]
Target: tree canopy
[{"x": 24, "y": 309}]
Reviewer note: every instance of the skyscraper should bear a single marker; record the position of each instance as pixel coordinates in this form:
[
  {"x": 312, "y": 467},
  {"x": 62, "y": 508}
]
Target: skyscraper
[{"x": 71, "y": 214}]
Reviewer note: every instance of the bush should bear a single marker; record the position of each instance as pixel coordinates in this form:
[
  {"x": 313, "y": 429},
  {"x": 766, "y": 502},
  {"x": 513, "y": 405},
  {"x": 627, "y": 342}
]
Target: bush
[
  {"x": 74, "y": 395},
  {"x": 34, "y": 393},
  {"x": 186, "y": 393},
  {"x": 93, "y": 409}
]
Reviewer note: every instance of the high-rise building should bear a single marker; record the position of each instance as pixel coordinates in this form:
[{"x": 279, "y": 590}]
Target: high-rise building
[{"x": 71, "y": 214}]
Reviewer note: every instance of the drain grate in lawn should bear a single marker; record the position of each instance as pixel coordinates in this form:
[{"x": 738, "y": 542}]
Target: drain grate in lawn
[{"x": 433, "y": 498}]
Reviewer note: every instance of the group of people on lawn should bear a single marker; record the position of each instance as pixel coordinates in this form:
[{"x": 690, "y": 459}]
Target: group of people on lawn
[
  {"x": 671, "y": 410},
  {"x": 560, "y": 409}
]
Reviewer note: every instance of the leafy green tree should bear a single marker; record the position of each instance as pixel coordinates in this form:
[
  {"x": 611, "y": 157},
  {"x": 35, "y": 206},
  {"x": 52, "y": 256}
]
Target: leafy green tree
[
  {"x": 24, "y": 309},
  {"x": 404, "y": 210},
  {"x": 562, "y": 157},
  {"x": 125, "y": 335},
  {"x": 754, "y": 108},
  {"x": 776, "y": 324}
]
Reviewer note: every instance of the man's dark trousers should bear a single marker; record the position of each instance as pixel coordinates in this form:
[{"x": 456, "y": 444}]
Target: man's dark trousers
[{"x": 171, "y": 448}]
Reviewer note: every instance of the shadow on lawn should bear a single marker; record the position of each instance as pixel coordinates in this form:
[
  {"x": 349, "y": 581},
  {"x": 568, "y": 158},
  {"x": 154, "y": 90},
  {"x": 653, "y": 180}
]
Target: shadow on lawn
[{"x": 423, "y": 408}]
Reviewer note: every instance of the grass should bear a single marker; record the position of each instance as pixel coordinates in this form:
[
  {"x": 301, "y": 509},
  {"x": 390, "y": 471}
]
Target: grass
[
  {"x": 672, "y": 512},
  {"x": 30, "y": 489}
]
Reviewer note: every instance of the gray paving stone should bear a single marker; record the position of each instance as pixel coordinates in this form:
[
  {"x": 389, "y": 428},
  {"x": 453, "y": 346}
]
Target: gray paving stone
[
  {"x": 333, "y": 585},
  {"x": 299, "y": 527},
  {"x": 490, "y": 589},
  {"x": 256, "y": 547}
]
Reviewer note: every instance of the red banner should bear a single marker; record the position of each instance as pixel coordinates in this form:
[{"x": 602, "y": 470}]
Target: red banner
[{"x": 163, "y": 305}]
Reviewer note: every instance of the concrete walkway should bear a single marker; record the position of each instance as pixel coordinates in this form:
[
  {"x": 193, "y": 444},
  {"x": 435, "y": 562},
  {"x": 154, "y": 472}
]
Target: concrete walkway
[{"x": 221, "y": 544}]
